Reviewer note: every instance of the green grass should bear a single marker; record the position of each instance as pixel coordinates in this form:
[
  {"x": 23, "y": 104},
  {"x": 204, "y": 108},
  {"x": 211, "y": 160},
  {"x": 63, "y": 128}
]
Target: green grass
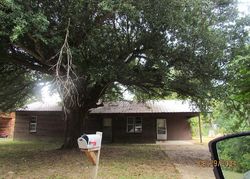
[
  {"x": 43, "y": 160},
  {"x": 232, "y": 175}
]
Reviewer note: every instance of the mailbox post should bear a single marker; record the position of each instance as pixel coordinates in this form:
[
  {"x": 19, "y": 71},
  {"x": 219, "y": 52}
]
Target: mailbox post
[{"x": 91, "y": 146}]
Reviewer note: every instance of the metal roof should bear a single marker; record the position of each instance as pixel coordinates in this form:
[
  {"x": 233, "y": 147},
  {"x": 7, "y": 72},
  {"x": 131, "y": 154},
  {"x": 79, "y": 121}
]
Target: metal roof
[
  {"x": 151, "y": 106},
  {"x": 40, "y": 106}
]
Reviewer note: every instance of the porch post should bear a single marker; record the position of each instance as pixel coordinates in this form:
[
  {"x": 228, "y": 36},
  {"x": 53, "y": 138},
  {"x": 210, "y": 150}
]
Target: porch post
[{"x": 199, "y": 117}]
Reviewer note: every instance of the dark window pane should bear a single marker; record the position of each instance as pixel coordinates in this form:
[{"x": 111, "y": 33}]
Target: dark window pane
[
  {"x": 33, "y": 119},
  {"x": 130, "y": 128},
  {"x": 134, "y": 125},
  {"x": 138, "y": 120},
  {"x": 161, "y": 131},
  {"x": 161, "y": 123},
  {"x": 130, "y": 120},
  {"x": 107, "y": 122},
  {"x": 138, "y": 128}
]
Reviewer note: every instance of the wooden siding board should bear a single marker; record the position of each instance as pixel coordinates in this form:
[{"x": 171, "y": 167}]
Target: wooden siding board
[
  {"x": 178, "y": 129},
  {"x": 50, "y": 124}
]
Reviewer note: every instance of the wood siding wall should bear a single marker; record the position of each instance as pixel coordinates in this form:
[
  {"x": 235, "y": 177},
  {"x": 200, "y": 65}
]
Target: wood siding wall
[
  {"x": 94, "y": 124},
  {"x": 178, "y": 127},
  {"x": 119, "y": 128},
  {"x": 49, "y": 125}
]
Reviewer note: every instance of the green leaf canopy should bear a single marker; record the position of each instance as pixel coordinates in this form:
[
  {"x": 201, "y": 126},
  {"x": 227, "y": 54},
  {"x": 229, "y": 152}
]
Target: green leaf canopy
[{"x": 156, "y": 47}]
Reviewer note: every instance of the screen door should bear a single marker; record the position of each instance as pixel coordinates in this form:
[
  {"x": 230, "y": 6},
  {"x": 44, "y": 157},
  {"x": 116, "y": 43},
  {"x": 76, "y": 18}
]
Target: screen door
[{"x": 161, "y": 129}]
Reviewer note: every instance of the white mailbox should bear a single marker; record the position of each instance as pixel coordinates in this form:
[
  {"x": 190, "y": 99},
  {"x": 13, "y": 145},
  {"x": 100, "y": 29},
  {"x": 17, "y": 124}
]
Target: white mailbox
[{"x": 90, "y": 141}]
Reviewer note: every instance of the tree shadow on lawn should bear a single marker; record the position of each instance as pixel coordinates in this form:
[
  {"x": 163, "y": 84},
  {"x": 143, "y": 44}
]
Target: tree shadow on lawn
[
  {"x": 42, "y": 160},
  {"x": 136, "y": 161},
  {"x": 39, "y": 160}
]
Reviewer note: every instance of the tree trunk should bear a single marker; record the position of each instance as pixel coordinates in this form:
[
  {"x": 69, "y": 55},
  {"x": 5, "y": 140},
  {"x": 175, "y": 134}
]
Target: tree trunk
[
  {"x": 75, "y": 126},
  {"x": 76, "y": 116}
]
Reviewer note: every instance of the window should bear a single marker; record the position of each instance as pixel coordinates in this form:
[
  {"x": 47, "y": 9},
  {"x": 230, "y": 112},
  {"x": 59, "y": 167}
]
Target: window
[
  {"x": 107, "y": 122},
  {"x": 33, "y": 124},
  {"x": 134, "y": 125}
]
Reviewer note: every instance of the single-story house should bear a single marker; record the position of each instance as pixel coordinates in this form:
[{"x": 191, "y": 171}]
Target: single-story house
[{"x": 121, "y": 121}]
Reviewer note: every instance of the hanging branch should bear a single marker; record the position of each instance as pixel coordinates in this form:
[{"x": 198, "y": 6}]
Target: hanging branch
[{"x": 65, "y": 76}]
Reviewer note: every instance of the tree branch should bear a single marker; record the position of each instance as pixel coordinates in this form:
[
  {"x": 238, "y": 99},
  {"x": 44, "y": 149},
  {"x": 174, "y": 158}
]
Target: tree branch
[
  {"x": 132, "y": 55},
  {"x": 140, "y": 82},
  {"x": 31, "y": 53},
  {"x": 15, "y": 57},
  {"x": 37, "y": 48}
]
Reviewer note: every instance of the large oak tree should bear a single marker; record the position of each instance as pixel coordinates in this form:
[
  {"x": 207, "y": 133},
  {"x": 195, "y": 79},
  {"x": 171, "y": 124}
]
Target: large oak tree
[{"x": 89, "y": 46}]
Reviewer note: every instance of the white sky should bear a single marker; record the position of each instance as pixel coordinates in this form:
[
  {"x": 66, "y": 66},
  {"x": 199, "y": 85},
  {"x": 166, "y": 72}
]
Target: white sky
[
  {"x": 244, "y": 8},
  {"x": 49, "y": 98}
]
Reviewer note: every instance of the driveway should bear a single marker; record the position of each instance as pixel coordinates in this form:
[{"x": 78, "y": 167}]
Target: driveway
[{"x": 191, "y": 160}]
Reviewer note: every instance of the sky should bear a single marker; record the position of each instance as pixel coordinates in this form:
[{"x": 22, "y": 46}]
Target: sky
[
  {"x": 49, "y": 98},
  {"x": 244, "y": 8},
  {"x": 244, "y": 5}
]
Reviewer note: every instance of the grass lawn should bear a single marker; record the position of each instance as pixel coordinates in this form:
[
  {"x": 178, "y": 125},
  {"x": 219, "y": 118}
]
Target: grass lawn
[
  {"x": 43, "y": 160},
  {"x": 232, "y": 175}
]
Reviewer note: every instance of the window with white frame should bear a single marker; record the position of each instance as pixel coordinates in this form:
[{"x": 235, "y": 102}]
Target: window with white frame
[
  {"x": 134, "y": 125},
  {"x": 33, "y": 124}
]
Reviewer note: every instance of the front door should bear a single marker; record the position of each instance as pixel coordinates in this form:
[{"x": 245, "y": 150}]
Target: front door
[
  {"x": 107, "y": 129},
  {"x": 161, "y": 127}
]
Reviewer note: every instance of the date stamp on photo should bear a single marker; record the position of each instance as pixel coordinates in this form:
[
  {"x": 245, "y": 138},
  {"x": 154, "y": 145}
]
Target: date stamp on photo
[{"x": 215, "y": 163}]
